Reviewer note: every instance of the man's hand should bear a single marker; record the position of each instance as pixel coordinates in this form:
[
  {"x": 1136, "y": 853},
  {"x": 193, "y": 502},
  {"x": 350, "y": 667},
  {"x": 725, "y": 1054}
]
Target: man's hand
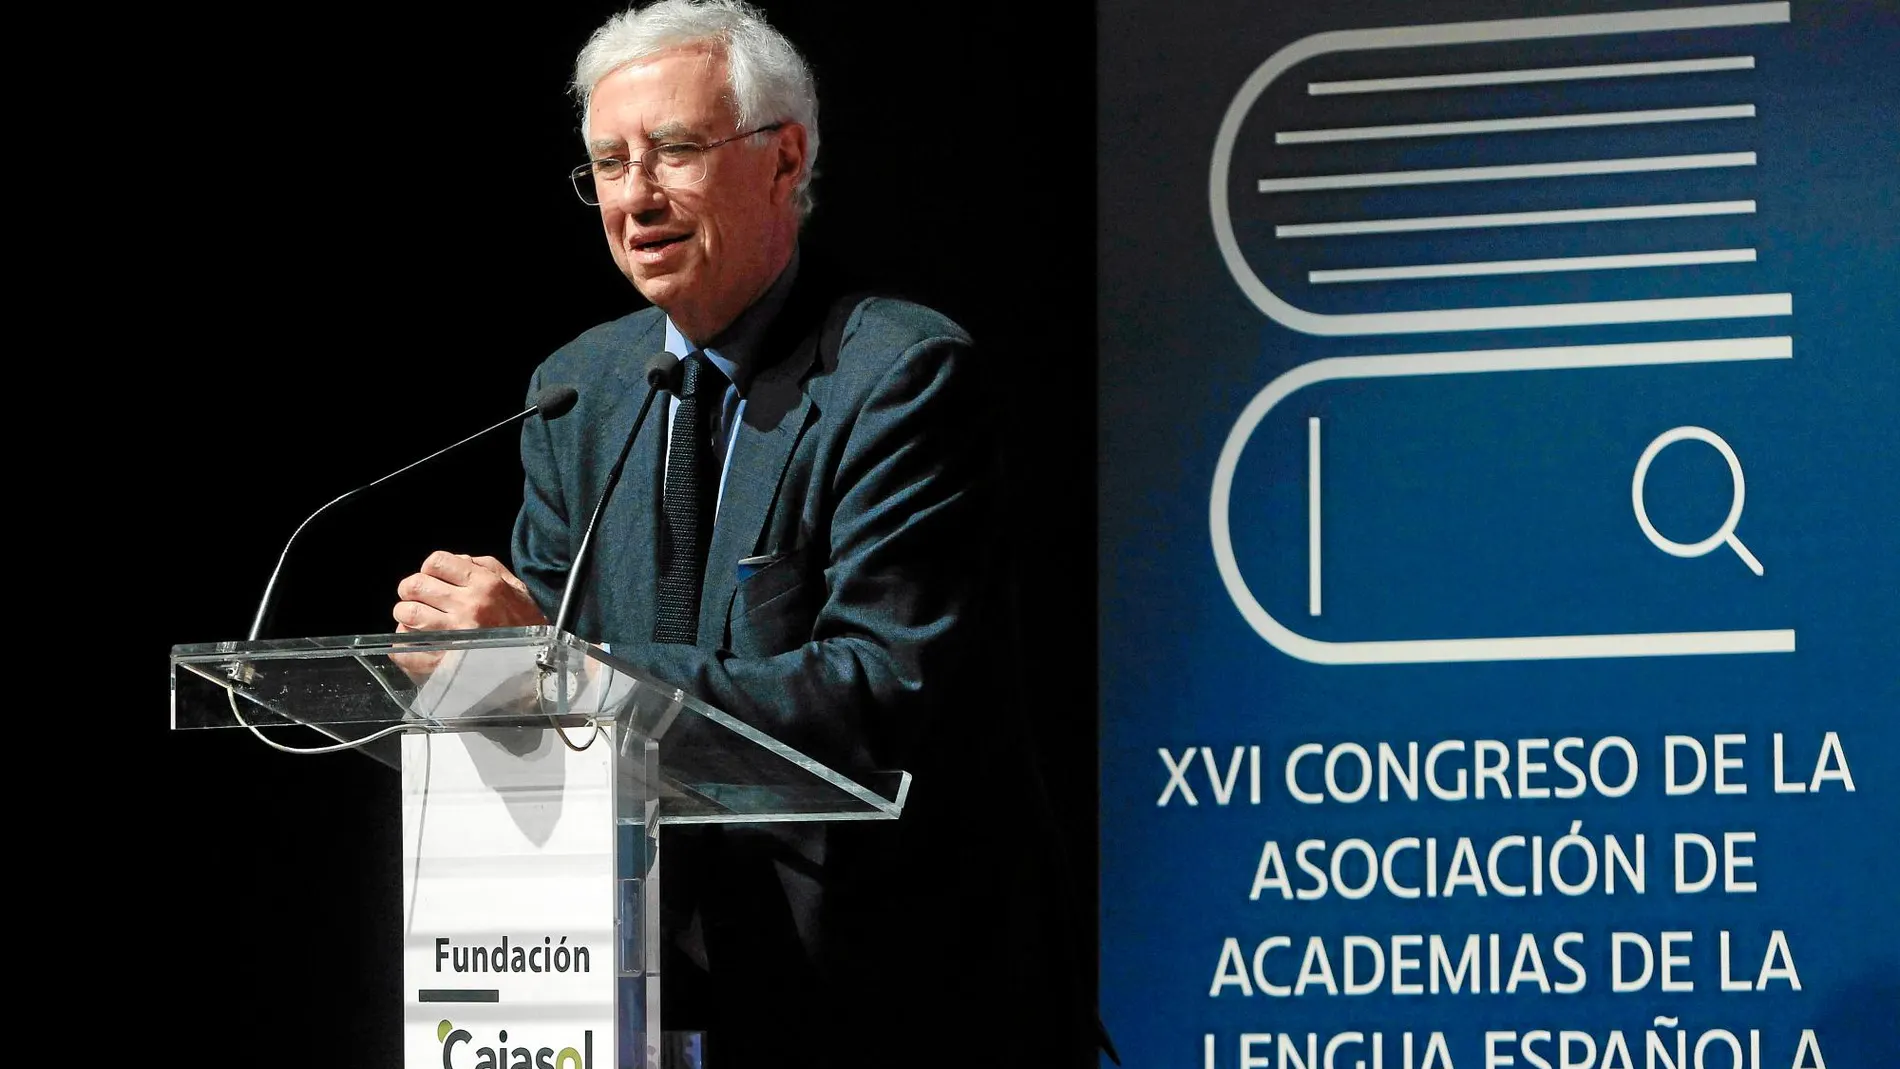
[{"x": 454, "y": 591}]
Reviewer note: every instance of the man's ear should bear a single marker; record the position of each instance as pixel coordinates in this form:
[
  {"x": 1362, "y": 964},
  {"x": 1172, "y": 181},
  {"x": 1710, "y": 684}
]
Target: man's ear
[{"x": 789, "y": 163}]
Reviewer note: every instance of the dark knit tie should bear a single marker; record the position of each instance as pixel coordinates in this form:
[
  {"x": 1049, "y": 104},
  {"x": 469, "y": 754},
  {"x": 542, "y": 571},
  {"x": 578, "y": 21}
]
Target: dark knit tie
[{"x": 689, "y": 503}]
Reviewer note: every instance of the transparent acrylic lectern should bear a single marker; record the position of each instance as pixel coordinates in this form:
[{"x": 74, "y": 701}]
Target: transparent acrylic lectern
[{"x": 537, "y": 772}]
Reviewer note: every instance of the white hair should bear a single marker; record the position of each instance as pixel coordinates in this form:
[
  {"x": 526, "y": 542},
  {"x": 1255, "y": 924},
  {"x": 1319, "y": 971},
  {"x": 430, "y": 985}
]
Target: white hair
[{"x": 767, "y": 78}]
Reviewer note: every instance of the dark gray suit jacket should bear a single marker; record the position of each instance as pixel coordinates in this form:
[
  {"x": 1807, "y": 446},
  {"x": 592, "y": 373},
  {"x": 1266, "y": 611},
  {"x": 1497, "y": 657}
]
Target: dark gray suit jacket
[
  {"x": 861, "y": 471},
  {"x": 863, "y": 468}
]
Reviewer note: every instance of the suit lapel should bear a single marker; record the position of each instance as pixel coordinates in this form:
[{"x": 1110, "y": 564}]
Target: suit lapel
[
  {"x": 627, "y": 561},
  {"x": 777, "y": 411}
]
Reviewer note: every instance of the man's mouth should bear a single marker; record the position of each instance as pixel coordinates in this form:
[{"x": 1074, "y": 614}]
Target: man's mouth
[{"x": 659, "y": 243}]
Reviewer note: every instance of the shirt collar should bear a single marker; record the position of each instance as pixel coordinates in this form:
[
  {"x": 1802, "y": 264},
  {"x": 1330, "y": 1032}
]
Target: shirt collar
[{"x": 735, "y": 352}]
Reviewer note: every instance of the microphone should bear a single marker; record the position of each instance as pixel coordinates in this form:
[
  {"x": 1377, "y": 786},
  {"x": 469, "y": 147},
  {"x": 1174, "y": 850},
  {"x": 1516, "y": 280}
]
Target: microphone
[
  {"x": 663, "y": 374},
  {"x": 551, "y": 403}
]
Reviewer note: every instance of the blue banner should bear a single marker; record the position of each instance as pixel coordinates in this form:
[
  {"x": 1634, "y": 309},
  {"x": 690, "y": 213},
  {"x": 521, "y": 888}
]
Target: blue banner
[{"x": 1498, "y": 509}]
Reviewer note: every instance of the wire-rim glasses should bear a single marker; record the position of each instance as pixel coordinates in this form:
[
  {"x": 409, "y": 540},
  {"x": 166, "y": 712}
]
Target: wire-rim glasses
[{"x": 678, "y": 165}]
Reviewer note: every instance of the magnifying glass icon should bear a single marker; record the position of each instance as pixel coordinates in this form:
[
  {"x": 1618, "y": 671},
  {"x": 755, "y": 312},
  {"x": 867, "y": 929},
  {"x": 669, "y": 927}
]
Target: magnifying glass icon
[{"x": 1723, "y": 534}]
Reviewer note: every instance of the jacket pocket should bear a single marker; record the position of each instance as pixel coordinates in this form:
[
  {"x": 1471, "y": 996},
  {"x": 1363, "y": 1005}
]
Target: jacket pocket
[{"x": 774, "y": 606}]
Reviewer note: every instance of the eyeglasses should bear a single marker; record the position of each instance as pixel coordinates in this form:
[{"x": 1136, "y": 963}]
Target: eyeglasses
[{"x": 675, "y": 166}]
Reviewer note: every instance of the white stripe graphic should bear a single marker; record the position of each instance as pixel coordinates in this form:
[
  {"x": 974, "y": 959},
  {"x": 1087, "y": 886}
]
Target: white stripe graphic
[
  {"x": 1563, "y": 215},
  {"x": 1538, "y": 74},
  {"x": 1220, "y": 182},
  {"x": 1531, "y": 267},
  {"x": 1312, "y": 516},
  {"x": 1503, "y": 126},
  {"x": 1629, "y": 165}
]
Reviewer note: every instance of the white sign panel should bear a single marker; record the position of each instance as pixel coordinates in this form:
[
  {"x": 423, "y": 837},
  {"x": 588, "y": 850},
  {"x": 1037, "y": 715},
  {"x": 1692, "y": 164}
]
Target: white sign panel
[{"x": 508, "y": 901}]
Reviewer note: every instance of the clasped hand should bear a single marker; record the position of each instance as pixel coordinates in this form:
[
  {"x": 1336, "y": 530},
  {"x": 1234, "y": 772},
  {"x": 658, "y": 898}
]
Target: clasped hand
[{"x": 455, "y": 591}]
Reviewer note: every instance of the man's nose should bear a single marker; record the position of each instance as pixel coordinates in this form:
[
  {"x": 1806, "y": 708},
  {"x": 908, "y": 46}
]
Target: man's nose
[{"x": 638, "y": 192}]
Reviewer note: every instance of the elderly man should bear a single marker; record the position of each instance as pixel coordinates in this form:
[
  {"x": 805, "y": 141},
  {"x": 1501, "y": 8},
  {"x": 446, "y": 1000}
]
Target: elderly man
[{"x": 802, "y": 541}]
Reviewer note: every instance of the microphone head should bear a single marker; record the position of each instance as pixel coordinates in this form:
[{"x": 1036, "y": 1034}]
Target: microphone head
[
  {"x": 663, "y": 372},
  {"x": 553, "y": 402}
]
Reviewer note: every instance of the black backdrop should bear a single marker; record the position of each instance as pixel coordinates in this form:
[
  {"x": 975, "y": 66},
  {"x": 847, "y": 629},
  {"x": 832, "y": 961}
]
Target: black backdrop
[{"x": 355, "y": 245}]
